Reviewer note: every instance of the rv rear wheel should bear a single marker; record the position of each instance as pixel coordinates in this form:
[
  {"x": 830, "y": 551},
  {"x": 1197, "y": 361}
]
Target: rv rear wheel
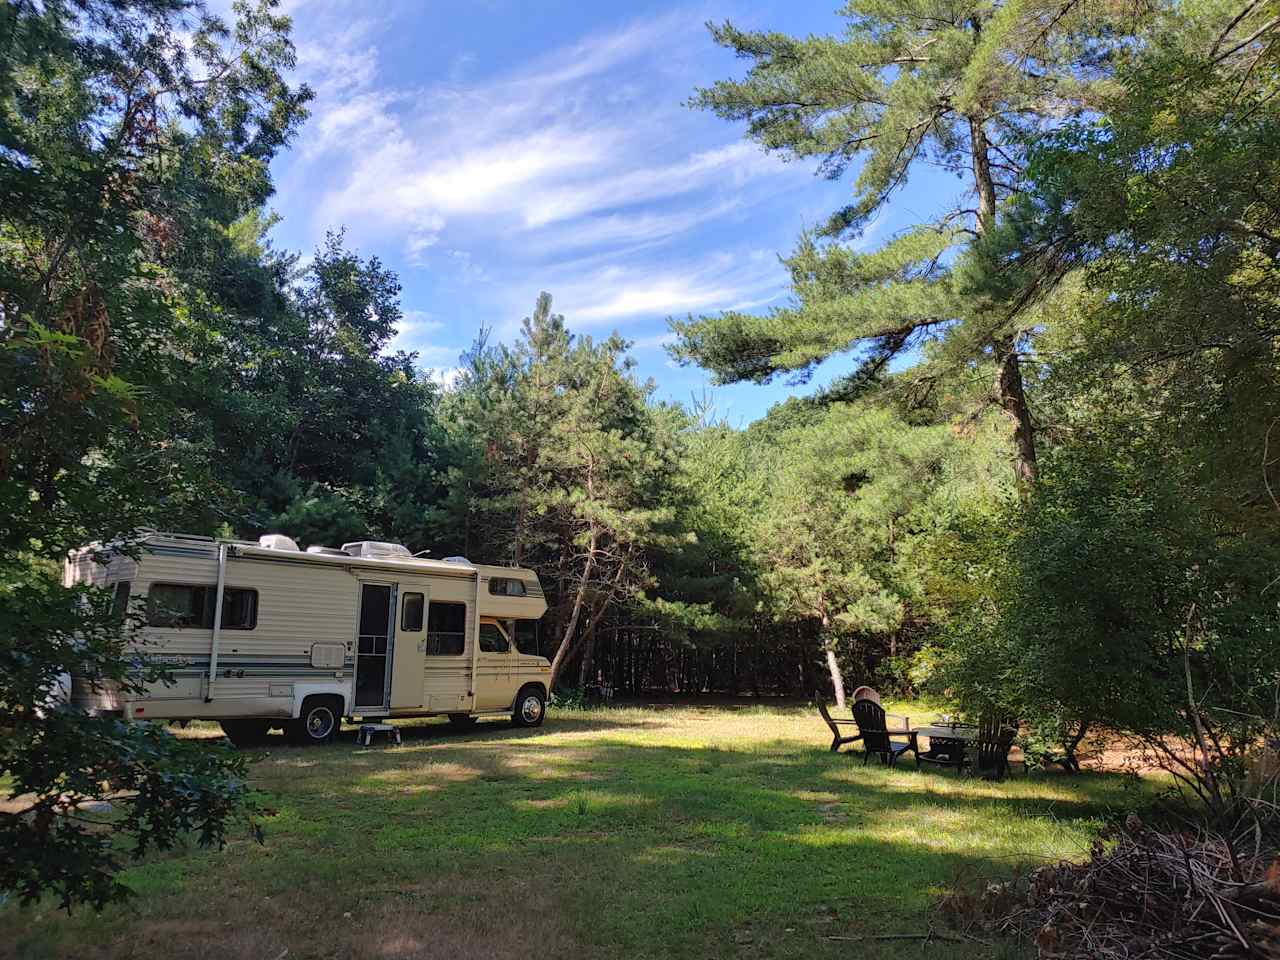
[
  {"x": 320, "y": 719},
  {"x": 245, "y": 733},
  {"x": 462, "y": 721},
  {"x": 530, "y": 707}
]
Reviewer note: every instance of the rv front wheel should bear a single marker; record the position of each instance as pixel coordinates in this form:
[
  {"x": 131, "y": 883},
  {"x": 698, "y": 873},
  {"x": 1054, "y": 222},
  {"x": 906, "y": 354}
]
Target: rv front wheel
[
  {"x": 531, "y": 707},
  {"x": 319, "y": 721}
]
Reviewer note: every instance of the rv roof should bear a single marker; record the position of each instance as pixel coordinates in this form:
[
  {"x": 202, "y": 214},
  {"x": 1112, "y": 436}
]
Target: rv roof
[
  {"x": 344, "y": 559},
  {"x": 451, "y": 566}
]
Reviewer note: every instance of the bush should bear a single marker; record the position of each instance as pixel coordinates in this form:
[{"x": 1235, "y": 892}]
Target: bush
[{"x": 1119, "y": 602}]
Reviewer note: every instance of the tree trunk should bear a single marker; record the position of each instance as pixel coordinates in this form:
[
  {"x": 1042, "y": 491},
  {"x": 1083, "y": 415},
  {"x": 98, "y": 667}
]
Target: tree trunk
[
  {"x": 589, "y": 639},
  {"x": 982, "y": 178},
  {"x": 566, "y": 640},
  {"x": 1013, "y": 401},
  {"x": 1008, "y": 382},
  {"x": 837, "y": 681},
  {"x": 588, "y": 656},
  {"x": 833, "y": 665}
]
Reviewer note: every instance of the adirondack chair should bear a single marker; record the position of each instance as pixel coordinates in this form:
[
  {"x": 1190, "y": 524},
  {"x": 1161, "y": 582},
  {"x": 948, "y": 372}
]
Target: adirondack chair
[
  {"x": 877, "y": 737},
  {"x": 865, "y": 693},
  {"x": 991, "y": 749},
  {"x": 894, "y": 721},
  {"x": 838, "y": 738}
]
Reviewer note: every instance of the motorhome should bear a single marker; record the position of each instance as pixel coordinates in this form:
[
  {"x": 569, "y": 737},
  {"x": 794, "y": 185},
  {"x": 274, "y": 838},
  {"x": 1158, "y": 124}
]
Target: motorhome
[{"x": 265, "y": 635}]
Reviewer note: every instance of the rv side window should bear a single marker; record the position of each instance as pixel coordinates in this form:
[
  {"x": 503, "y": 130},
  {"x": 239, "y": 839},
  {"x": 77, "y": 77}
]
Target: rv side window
[
  {"x": 507, "y": 587},
  {"x": 446, "y": 629},
  {"x": 239, "y": 608},
  {"x": 492, "y": 639},
  {"x": 411, "y": 617},
  {"x": 188, "y": 605},
  {"x": 525, "y": 633},
  {"x": 120, "y": 601}
]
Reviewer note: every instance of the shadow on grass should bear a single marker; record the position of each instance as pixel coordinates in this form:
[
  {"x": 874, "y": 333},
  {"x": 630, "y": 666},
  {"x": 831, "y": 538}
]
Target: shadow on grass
[{"x": 593, "y": 835}]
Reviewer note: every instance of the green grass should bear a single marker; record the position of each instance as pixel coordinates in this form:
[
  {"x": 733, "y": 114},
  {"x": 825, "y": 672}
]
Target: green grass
[{"x": 677, "y": 832}]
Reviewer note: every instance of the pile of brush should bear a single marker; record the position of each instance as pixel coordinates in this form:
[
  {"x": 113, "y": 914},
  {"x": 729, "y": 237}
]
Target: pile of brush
[{"x": 1142, "y": 893}]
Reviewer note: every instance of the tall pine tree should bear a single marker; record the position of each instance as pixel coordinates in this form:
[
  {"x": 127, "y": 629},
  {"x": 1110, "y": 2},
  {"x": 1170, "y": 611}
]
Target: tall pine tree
[{"x": 963, "y": 86}]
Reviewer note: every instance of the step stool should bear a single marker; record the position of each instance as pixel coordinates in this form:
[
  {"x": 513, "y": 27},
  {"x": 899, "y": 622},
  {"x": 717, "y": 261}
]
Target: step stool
[{"x": 364, "y": 737}]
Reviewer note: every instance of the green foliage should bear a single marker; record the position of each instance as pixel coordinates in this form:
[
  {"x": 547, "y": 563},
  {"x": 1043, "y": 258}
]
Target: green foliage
[
  {"x": 567, "y": 468},
  {"x": 1094, "y": 608},
  {"x": 315, "y": 423},
  {"x": 1145, "y": 563},
  {"x": 127, "y": 147},
  {"x": 965, "y": 87},
  {"x": 59, "y": 762}
]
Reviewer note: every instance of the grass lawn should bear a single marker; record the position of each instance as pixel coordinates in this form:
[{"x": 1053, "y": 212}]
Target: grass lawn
[{"x": 680, "y": 832}]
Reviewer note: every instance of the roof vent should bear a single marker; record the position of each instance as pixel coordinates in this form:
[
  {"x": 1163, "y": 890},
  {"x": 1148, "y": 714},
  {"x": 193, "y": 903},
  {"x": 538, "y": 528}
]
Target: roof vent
[
  {"x": 277, "y": 541},
  {"x": 327, "y": 551},
  {"x": 456, "y": 560},
  {"x": 377, "y": 549}
]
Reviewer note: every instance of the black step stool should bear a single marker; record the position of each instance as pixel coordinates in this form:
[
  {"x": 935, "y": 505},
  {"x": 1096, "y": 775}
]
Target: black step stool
[{"x": 364, "y": 737}]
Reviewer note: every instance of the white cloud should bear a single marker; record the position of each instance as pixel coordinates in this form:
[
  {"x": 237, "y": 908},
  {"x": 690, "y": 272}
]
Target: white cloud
[
  {"x": 446, "y": 378},
  {"x": 617, "y": 293},
  {"x": 636, "y": 227},
  {"x": 655, "y": 342},
  {"x": 738, "y": 161},
  {"x": 560, "y": 142},
  {"x": 411, "y": 332}
]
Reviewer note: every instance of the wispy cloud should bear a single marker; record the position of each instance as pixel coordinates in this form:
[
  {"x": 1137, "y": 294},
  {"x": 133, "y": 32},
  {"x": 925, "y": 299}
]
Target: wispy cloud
[
  {"x": 618, "y": 293},
  {"x": 556, "y": 146},
  {"x": 413, "y": 333}
]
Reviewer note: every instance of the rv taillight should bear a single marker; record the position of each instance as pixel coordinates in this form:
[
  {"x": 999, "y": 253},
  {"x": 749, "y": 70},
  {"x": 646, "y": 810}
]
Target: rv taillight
[{"x": 139, "y": 711}]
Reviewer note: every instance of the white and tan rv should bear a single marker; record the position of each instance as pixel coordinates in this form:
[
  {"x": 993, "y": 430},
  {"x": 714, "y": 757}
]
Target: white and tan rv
[{"x": 265, "y": 635}]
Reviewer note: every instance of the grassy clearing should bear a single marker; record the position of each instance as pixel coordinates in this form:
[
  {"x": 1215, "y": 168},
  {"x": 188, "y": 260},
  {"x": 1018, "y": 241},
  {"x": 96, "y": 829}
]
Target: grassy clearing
[{"x": 678, "y": 832}]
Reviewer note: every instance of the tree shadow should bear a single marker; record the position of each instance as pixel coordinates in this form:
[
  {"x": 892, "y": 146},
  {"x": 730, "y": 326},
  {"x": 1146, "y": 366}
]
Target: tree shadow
[
  {"x": 633, "y": 847},
  {"x": 705, "y": 839}
]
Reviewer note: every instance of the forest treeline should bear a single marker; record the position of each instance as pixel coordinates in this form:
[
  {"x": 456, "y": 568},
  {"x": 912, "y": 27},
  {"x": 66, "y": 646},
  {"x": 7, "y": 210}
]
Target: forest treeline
[{"x": 1048, "y": 482}]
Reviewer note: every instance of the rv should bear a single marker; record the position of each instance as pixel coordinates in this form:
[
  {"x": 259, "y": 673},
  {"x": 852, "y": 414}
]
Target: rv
[{"x": 265, "y": 635}]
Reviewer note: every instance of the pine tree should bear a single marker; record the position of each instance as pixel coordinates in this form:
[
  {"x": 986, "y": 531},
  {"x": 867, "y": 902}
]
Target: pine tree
[
  {"x": 570, "y": 470},
  {"x": 961, "y": 85}
]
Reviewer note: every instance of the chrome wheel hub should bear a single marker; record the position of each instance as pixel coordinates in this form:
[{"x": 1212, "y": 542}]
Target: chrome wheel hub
[
  {"x": 531, "y": 709},
  {"x": 319, "y": 723}
]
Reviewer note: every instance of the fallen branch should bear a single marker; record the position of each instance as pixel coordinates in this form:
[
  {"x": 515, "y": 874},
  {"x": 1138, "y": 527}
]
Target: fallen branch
[{"x": 906, "y": 936}]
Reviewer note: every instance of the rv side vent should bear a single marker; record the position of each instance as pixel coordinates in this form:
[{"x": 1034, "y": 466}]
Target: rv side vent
[
  {"x": 456, "y": 560},
  {"x": 277, "y": 541},
  {"x": 327, "y": 551},
  {"x": 377, "y": 548}
]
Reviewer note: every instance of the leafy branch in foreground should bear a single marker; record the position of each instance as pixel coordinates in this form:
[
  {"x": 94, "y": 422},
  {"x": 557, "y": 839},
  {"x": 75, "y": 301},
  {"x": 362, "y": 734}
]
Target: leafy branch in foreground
[{"x": 62, "y": 763}]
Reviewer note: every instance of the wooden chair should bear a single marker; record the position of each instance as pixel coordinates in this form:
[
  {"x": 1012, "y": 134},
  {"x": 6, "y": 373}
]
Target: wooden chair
[
  {"x": 865, "y": 693},
  {"x": 838, "y": 739},
  {"x": 877, "y": 737},
  {"x": 991, "y": 749},
  {"x": 870, "y": 693}
]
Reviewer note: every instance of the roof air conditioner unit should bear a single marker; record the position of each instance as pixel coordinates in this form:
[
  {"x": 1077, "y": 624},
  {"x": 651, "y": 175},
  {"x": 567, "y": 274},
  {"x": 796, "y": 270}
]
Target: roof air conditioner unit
[
  {"x": 327, "y": 551},
  {"x": 456, "y": 560},
  {"x": 277, "y": 541},
  {"x": 377, "y": 549}
]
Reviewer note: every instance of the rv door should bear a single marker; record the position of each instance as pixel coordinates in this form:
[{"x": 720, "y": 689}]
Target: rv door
[
  {"x": 408, "y": 681},
  {"x": 374, "y": 647}
]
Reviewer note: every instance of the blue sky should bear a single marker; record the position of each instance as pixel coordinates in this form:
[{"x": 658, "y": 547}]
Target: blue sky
[{"x": 488, "y": 150}]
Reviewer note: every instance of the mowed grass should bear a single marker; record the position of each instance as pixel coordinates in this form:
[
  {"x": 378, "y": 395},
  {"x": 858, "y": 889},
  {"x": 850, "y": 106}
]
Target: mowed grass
[{"x": 677, "y": 832}]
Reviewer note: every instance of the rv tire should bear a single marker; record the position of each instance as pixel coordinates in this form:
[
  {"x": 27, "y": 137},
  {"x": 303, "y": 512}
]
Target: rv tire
[
  {"x": 530, "y": 707},
  {"x": 245, "y": 733},
  {"x": 319, "y": 721},
  {"x": 462, "y": 721}
]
